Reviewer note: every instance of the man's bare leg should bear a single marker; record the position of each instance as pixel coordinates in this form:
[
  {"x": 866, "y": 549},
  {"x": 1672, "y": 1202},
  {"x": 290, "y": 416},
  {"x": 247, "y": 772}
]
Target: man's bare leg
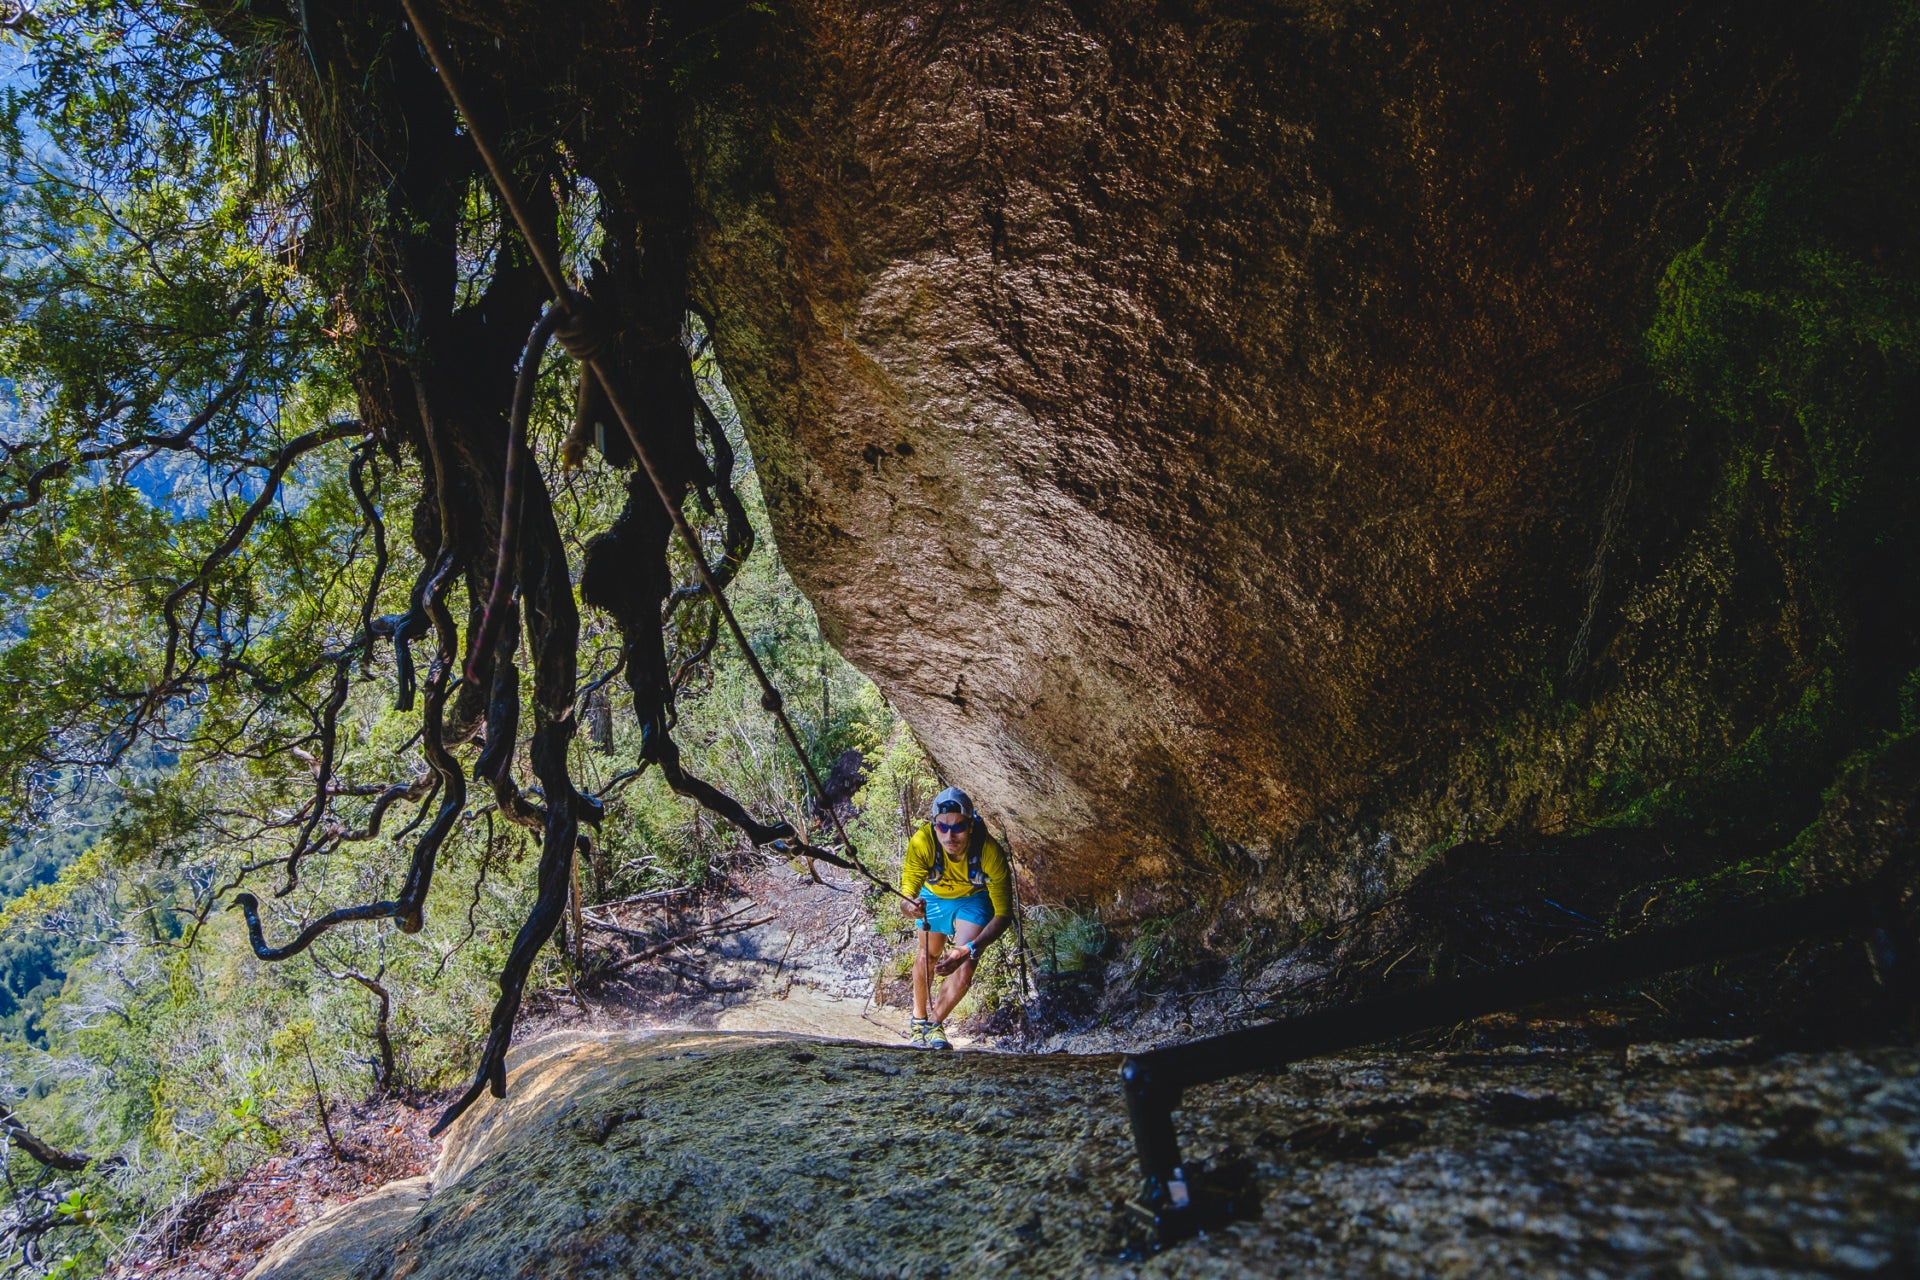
[
  {"x": 928, "y": 947},
  {"x": 954, "y": 990}
]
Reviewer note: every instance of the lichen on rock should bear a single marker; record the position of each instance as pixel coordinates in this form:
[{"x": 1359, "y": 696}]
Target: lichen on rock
[{"x": 694, "y": 1154}]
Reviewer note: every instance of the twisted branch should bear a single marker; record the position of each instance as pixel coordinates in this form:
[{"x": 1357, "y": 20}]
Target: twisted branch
[
  {"x": 408, "y": 909},
  {"x": 510, "y": 499},
  {"x": 269, "y": 491},
  {"x": 15, "y": 1130}
]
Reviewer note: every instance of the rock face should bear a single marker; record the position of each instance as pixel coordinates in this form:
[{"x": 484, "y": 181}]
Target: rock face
[
  {"x": 1195, "y": 418},
  {"x": 678, "y": 1155}
]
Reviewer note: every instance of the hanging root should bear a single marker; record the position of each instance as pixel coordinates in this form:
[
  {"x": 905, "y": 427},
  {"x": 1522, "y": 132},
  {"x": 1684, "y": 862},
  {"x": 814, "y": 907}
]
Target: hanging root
[
  {"x": 495, "y": 763},
  {"x": 549, "y": 751},
  {"x": 513, "y": 481},
  {"x": 413, "y": 895},
  {"x": 738, "y": 540},
  {"x": 357, "y": 482},
  {"x": 445, "y": 403},
  {"x": 407, "y": 910},
  {"x": 403, "y": 629}
]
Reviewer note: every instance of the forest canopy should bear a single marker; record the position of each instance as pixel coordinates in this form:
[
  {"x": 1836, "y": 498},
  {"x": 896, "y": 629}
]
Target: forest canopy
[{"x": 277, "y": 369}]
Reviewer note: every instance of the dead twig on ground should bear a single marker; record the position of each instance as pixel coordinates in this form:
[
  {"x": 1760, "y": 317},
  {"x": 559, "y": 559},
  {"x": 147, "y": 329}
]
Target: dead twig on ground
[
  {"x": 658, "y": 895},
  {"x": 320, "y": 1101},
  {"x": 661, "y": 948},
  {"x": 784, "y": 953},
  {"x": 643, "y": 936},
  {"x": 715, "y": 987}
]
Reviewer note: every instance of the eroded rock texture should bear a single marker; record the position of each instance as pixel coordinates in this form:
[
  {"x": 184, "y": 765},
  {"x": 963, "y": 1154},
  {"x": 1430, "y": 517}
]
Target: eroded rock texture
[
  {"x": 767, "y": 1156},
  {"x": 1197, "y": 418}
]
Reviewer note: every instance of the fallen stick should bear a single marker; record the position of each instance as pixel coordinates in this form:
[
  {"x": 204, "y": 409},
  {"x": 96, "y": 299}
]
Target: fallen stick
[
  {"x": 657, "y": 895},
  {"x": 718, "y": 989},
  {"x": 784, "y": 952},
  {"x": 625, "y": 932},
  {"x": 660, "y": 948},
  {"x": 14, "y": 1130},
  {"x": 601, "y": 925}
]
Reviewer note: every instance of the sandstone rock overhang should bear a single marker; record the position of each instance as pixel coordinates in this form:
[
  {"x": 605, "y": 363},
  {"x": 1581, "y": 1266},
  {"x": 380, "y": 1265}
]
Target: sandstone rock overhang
[{"x": 1197, "y": 417}]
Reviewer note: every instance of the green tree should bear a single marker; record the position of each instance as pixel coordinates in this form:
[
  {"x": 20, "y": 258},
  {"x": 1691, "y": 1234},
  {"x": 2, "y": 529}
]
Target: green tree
[{"x": 296, "y": 496}]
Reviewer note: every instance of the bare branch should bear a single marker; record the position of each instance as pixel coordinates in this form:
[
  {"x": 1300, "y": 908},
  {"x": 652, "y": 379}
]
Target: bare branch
[
  {"x": 15, "y": 1131},
  {"x": 270, "y": 488}
]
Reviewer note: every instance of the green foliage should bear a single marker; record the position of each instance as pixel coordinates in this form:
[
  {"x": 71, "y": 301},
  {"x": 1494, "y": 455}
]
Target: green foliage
[
  {"x": 1769, "y": 321},
  {"x": 147, "y": 285},
  {"x": 1154, "y": 951},
  {"x": 1910, "y": 702},
  {"x": 1064, "y": 940},
  {"x": 1794, "y": 324},
  {"x": 192, "y": 1055},
  {"x": 157, "y": 272},
  {"x": 1801, "y": 307}
]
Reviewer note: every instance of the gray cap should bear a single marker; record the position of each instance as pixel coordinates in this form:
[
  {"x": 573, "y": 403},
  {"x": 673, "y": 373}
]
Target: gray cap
[{"x": 952, "y": 800}]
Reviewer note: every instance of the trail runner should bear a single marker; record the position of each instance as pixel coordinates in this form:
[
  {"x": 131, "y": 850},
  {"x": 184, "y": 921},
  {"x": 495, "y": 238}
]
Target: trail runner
[{"x": 959, "y": 885}]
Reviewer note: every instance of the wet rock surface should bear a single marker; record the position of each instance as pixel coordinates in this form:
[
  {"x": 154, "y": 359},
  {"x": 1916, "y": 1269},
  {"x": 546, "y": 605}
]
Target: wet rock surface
[{"x": 663, "y": 1154}]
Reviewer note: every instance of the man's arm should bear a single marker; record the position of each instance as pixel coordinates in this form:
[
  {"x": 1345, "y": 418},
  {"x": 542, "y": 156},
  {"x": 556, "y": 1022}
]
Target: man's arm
[
  {"x": 917, "y": 862},
  {"x": 972, "y": 950},
  {"x": 913, "y": 873},
  {"x": 995, "y": 927},
  {"x": 1000, "y": 889}
]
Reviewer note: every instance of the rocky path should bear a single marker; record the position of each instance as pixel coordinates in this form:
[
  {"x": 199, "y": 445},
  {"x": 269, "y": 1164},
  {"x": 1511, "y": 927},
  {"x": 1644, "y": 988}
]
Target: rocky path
[
  {"x": 697, "y": 1154},
  {"x": 739, "y": 1105},
  {"x": 806, "y": 964}
]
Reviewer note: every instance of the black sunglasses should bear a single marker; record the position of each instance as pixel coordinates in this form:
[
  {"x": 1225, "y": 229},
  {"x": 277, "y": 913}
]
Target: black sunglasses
[{"x": 949, "y": 828}]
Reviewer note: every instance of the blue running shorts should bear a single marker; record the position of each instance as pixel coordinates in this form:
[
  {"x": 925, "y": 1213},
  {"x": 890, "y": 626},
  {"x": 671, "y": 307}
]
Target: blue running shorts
[{"x": 942, "y": 912}]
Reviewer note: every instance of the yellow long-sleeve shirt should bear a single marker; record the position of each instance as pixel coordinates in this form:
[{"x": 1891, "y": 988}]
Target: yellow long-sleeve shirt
[{"x": 994, "y": 869}]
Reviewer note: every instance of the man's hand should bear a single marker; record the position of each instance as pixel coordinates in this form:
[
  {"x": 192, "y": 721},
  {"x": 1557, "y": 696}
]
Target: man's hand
[
  {"x": 953, "y": 959},
  {"x": 913, "y": 908}
]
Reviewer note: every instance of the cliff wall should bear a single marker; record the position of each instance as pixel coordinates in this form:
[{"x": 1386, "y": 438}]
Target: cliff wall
[{"x": 1221, "y": 430}]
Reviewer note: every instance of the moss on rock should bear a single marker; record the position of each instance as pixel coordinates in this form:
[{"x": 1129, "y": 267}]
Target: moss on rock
[{"x": 770, "y": 1156}]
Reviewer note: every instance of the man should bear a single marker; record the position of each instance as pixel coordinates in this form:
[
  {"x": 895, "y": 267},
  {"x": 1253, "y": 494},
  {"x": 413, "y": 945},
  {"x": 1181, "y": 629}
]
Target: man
[{"x": 957, "y": 883}]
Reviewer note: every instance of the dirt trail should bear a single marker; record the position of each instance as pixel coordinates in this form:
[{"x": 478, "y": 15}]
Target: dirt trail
[{"x": 810, "y": 968}]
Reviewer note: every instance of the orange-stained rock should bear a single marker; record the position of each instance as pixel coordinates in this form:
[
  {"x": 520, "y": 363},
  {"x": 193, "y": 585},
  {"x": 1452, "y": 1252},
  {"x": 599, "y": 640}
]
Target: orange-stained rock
[{"x": 1264, "y": 385}]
